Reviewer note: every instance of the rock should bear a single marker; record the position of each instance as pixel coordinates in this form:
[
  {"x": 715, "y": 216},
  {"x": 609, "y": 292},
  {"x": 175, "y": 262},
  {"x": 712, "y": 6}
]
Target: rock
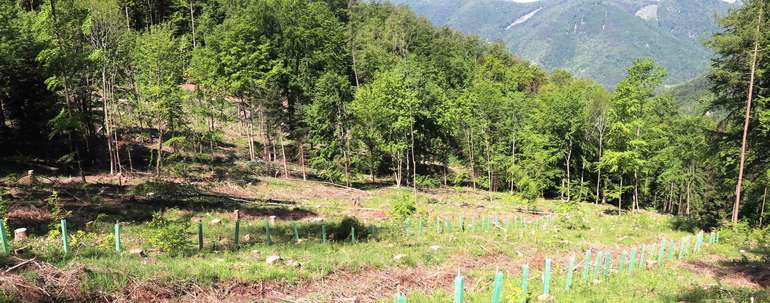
[
  {"x": 19, "y": 234},
  {"x": 216, "y": 221},
  {"x": 247, "y": 238},
  {"x": 273, "y": 260},
  {"x": 544, "y": 298},
  {"x": 293, "y": 263},
  {"x": 29, "y": 179},
  {"x": 137, "y": 251},
  {"x": 398, "y": 257},
  {"x": 435, "y": 247}
]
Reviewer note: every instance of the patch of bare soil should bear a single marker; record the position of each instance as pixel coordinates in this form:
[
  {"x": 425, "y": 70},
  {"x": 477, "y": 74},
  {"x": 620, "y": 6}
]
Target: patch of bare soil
[{"x": 735, "y": 273}]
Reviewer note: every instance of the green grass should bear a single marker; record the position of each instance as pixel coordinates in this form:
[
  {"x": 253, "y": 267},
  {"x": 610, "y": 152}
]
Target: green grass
[{"x": 478, "y": 251}]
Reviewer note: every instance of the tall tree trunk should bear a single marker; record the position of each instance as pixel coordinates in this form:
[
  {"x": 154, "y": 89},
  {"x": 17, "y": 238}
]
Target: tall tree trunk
[
  {"x": 738, "y": 186},
  {"x": 445, "y": 162},
  {"x": 679, "y": 203},
  {"x": 513, "y": 158},
  {"x": 620, "y": 196},
  {"x": 265, "y": 145},
  {"x": 398, "y": 172},
  {"x": 192, "y": 22},
  {"x": 689, "y": 198},
  {"x": 283, "y": 155},
  {"x": 490, "y": 188},
  {"x": 762, "y": 210},
  {"x": 599, "y": 170},
  {"x": 302, "y": 159},
  {"x": 569, "y": 179},
  {"x": 159, "y": 158},
  {"x": 414, "y": 162},
  {"x": 473, "y": 162},
  {"x": 106, "y": 121},
  {"x": 667, "y": 206}
]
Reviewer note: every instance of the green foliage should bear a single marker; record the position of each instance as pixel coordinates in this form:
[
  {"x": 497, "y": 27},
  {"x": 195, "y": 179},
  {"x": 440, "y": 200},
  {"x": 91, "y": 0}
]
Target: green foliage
[
  {"x": 57, "y": 211},
  {"x": 427, "y": 182},
  {"x": 343, "y": 230},
  {"x": 608, "y": 35},
  {"x": 571, "y": 216},
  {"x": 402, "y": 207},
  {"x": 168, "y": 236},
  {"x": 743, "y": 235}
]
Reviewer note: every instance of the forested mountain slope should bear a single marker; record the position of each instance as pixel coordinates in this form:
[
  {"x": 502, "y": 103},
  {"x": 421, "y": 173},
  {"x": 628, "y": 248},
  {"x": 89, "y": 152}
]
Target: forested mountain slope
[{"x": 591, "y": 38}]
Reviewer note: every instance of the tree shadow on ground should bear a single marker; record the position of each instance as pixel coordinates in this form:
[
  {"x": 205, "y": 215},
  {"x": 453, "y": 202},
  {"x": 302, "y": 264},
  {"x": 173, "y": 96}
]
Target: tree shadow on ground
[
  {"x": 721, "y": 294},
  {"x": 694, "y": 223},
  {"x": 121, "y": 203}
]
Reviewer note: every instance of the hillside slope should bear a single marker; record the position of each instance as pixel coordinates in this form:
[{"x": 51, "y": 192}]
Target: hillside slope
[{"x": 591, "y": 38}]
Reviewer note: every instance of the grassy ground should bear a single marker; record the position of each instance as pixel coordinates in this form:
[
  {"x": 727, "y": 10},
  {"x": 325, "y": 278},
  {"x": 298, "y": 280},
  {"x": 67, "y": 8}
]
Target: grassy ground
[{"x": 501, "y": 232}]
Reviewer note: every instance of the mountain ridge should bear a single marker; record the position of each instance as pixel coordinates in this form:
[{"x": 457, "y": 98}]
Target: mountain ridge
[{"x": 590, "y": 38}]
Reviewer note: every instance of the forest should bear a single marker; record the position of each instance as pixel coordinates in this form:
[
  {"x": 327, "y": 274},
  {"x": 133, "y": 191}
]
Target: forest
[{"x": 364, "y": 93}]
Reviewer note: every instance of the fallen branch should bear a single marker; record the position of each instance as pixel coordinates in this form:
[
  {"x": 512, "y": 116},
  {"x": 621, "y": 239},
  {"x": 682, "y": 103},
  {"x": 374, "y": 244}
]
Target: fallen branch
[{"x": 19, "y": 265}]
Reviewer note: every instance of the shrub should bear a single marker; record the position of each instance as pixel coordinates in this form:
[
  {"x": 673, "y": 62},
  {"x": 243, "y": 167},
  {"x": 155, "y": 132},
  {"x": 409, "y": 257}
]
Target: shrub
[
  {"x": 166, "y": 235},
  {"x": 571, "y": 216},
  {"x": 427, "y": 181},
  {"x": 57, "y": 212},
  {"x": 342, "y": 232},
  {"x": 402, "y": 208}
]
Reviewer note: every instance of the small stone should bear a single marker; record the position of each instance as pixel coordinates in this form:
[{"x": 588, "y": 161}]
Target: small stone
[
  {"x": 273, "y": 260},
  {"x": 435, "y": 247},
  {"x": 19, "y": 234},
  {"x": 247, "y": 238},
  {"x": 399, "y": 257},
  {"x": 293, "y": 263},
  {"x": 544, "y": 298},
  {"x": 216, "y": 221},
  {"x": 137, "y": 251}
]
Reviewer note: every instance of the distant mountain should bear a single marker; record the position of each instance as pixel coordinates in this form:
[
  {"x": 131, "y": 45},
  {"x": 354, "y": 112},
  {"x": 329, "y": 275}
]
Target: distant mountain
[{"x": 591, "y": 38}]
